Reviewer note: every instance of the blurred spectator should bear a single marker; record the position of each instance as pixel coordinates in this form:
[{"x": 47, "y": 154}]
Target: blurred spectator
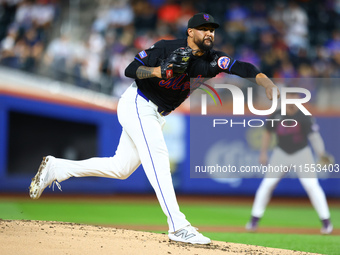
[
  {"x": 77, "y": 64},
  {"x": 58, "y": 57},
  {"x": 296, "y": 21},
  {"x": 145, "y": 17},
  {"x": 43, "y": 13},
  {"x": 7, "y": 13},
  {"x": 235, "y": 17},
  {"x": 322, "y": 62},
  {"x": 305, "y": 72},
  {"x": 276, "y": 17},
  {"x": 249, "y": 55},
  {"x": 23, "y": 15},
  {"x": 23, "y": 45},
  {"x": 170, "y": 12},
  {"x": 8, "y": 57},
  {"x": 286, "y": 70},
  {"x": 187, "y": 11},
  {"x": 120, "y": 14},
  {"x": 146, "y": 40},
  {"x": 333, "y": 44},
  {"x": 335, "y": 67},
  {"x": 94, "y": 46},
  {"x": 285, "y": 39},
  {"x": 269, "y": 62},
  {"x": 21, "y": 52},
  {"x": 118, "y": 64},
  {"x": 101, "y": 22},
  {"x": 34, "y": 50},
  {"x": 266, "y": 40},
  {"x": 257, "y": 21},
  {"x": 112, "y": 46},
  {"x": 113, "y": 14},
  {"x": 168, "y": 16},
  {"x": 164, "y": 31}
]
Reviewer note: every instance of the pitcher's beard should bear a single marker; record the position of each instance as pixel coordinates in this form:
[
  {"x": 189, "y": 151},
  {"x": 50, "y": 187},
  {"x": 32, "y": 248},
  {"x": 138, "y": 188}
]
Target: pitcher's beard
[{"x": 204, "y": 47}]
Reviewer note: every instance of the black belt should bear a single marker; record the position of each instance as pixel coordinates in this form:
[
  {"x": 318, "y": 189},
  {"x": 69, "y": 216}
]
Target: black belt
[{"x": 160, "y": 110}]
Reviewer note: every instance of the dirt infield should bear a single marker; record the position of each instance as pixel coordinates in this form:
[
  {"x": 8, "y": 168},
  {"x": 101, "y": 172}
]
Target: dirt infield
[
  {"x": 41, "y": 237},
  {"x": 231, "y": 229}
]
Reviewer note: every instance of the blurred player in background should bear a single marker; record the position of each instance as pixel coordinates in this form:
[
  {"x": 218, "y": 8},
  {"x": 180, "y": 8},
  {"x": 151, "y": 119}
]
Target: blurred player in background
[{"x": 292, "y": 149}]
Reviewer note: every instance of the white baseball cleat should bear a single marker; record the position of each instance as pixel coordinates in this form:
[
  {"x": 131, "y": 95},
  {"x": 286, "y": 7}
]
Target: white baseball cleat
[
  {"x": 251, "y": 226},
  {"x": 189, "y": 234},
  {"x": 326, "y": 230},
  {"x": 44, "y": 177}
]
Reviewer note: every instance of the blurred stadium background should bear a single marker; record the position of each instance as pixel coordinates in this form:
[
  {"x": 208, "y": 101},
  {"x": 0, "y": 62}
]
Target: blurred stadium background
[{"x": 62, "y": 71}]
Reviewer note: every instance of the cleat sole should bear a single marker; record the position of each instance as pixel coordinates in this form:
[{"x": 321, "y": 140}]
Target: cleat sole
[{"x": 34, "y": 187}]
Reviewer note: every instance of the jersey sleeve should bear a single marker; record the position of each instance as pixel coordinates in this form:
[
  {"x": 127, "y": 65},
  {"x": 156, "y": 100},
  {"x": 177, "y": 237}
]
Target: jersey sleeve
[
  {"x": 220, "y": 62},
  {"x": 244, "y": 69},
  {"x": 224, "y": 63},
  {"x": 149, "y": 57}
]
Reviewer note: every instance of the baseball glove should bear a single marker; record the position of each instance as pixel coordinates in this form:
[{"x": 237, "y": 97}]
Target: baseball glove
[
  {"x": 176, "y": 64},
  {"x": 326, "y": 159}
]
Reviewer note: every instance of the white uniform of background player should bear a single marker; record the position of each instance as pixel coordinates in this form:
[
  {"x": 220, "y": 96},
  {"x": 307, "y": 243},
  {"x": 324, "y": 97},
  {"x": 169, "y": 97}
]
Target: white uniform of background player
[{"x": 292, "y": 150}]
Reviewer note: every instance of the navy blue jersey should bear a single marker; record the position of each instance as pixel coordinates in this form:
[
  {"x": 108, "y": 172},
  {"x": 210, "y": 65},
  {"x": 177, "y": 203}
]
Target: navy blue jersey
[
  {"x": 292, "y": 139},
  {"x": 169, "y": 94}
]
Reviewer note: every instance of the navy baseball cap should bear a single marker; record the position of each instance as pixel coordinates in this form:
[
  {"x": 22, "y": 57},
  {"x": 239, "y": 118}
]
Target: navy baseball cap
[{"x": 200, "y": 19}]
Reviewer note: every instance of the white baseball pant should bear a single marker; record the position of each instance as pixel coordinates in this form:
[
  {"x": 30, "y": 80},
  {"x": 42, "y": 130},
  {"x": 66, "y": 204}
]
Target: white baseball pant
[
  {"x": 141, "y": 141},
  {"x": 308, "y": 180}
]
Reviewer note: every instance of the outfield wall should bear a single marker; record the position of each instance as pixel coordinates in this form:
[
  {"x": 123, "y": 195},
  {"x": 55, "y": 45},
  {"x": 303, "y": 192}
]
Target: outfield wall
[{"x": 35, "y": 122}]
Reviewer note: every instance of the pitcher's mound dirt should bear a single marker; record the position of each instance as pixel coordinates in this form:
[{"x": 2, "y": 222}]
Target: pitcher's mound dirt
[{"x": 40, "y": 237}]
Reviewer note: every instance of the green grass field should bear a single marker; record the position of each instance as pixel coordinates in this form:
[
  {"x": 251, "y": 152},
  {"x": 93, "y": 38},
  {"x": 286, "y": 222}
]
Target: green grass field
[{"x": 149, "y": 213}]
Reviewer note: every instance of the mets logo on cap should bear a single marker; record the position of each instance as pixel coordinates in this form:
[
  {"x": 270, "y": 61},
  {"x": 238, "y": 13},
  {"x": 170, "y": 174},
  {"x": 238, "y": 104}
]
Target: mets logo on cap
[
  {"x": 206, "y": 17},
  {"x": 223, "y": 62}
]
